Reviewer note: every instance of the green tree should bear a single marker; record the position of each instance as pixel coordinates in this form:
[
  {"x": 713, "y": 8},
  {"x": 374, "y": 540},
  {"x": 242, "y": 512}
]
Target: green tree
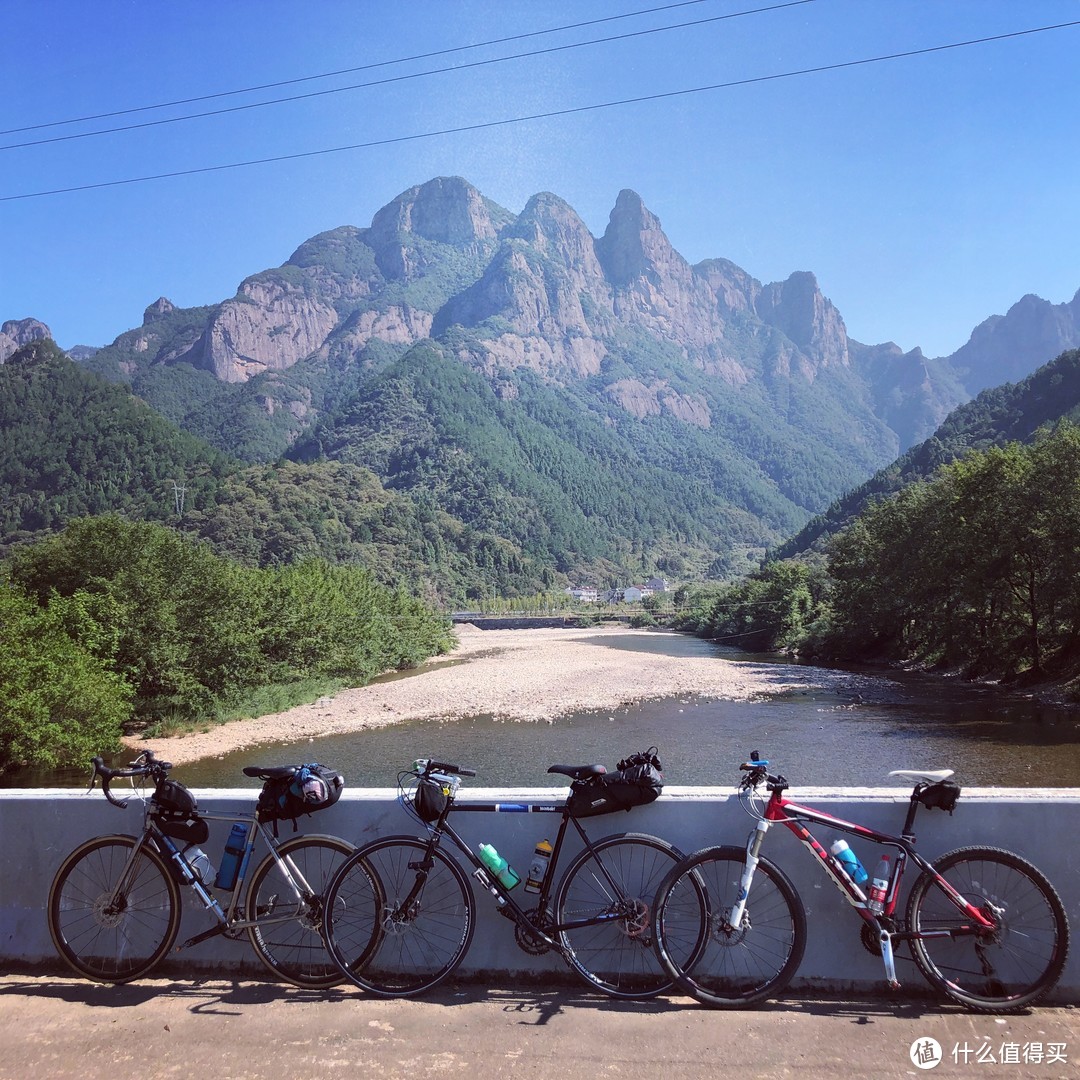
[{"x": 59, "y": 705}]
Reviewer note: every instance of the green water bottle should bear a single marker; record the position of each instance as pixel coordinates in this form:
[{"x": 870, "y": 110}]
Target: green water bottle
[{"x": 506, "y": 874}]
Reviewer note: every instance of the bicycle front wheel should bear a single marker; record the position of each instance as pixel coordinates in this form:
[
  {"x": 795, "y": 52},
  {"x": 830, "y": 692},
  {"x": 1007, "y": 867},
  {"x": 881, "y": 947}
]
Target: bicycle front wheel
[
  {"x": 399, "y": 917},
  {"x": 288, "y": 930},
  {"x": 737, "y": 966},
  {"x": 113, "y": 912},
  {"x": 1001, "y": 971},
  {"x": 611, "y": 888}
]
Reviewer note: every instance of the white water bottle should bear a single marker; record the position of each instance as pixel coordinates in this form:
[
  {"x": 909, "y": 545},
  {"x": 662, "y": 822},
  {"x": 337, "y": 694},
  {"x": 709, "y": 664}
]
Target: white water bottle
[
  {"x": 879, "y": 887},
  {"x": 850, "y": 861}
]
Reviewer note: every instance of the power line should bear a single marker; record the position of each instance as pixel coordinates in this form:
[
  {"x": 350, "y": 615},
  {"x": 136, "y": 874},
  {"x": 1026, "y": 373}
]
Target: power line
[
  {"x": 541, "y": 116},
  {"x": 396, "y": 78},
  {"x": 350, "y": 70}
]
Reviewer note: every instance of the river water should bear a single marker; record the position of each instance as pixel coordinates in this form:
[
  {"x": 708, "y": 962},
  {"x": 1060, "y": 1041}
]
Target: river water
[{"x": 825, "y": 738}]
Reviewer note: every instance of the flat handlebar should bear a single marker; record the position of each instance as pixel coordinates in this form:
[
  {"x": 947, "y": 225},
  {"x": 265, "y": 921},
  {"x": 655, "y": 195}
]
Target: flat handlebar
[
  {"x": 757, "y": 772},
  {"x": 428, "y": 765}
]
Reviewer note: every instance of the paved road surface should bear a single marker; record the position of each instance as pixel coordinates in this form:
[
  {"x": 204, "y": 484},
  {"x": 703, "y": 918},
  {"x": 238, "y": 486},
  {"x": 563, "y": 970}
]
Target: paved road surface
[{"x": 217, "y": 1029}]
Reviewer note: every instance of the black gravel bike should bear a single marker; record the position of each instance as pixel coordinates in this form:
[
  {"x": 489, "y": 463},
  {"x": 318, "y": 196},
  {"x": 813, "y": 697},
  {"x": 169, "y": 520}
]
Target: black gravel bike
[
  {"x": 401, "y": 911},
  {"x": 984, "y": 926},
  {"x": 115, "y": 904}
]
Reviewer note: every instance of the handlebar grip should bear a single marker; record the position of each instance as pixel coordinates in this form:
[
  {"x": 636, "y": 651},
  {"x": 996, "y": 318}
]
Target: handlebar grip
[{"x": 444, "y": 766}]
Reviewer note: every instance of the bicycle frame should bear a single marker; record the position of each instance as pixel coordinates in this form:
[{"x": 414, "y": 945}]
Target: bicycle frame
[
  {"x": 228, "y": 918},
  {"x": 507, "y": 902},
  {"x": 794, "y": 816}
]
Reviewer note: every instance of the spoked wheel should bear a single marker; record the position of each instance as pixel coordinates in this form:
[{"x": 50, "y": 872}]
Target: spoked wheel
[
  {"x": 398, "y": 920},
  {"x": 113, "y": 918},
  {"x": 736, "y": 967},
  {"x": 1001, "y": 971},
  {"x": 289, "y": 933},
  {"x": 615, "y": 884}
]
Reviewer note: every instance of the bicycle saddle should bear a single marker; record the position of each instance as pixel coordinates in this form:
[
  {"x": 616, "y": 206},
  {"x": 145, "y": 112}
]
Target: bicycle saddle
[
  {"x": 578, "y": 772},
  {"x": 922, "y": 776},
  {"x": 270, "y": 772}
]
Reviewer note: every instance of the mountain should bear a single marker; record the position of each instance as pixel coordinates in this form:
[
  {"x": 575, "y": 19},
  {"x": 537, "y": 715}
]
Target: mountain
[
  {"x": 598, "y": 402},
  {"x": 109, "y": 453},
  {"x": 18, "y": 332},
  {"x": 1014, "y": 412}
]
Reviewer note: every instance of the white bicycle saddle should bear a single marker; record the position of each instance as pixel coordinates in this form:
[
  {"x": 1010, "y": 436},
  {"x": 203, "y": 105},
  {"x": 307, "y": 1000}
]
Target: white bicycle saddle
[{"x": 922, "y": 776}]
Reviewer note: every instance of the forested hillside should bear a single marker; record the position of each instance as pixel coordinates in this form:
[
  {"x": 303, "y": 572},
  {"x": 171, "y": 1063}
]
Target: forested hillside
[
  {"x": 74, "y": 445},
  {"x": 1012, "y": 412},
  {"x": 975, "y": 570}
]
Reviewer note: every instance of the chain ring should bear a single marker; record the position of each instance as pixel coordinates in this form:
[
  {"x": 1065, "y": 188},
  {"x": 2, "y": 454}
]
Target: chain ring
[{"x": 526, "y": 940}]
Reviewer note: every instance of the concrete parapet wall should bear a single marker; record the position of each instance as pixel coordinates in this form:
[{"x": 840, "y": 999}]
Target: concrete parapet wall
[{"x": 38, "y": 828}]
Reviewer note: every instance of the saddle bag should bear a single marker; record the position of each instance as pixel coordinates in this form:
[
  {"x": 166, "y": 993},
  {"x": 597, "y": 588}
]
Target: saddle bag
[
  {"x": 311, "y": 788},
  {"x": 941, "y": 796},
  {"x": 637, "y": 781}
]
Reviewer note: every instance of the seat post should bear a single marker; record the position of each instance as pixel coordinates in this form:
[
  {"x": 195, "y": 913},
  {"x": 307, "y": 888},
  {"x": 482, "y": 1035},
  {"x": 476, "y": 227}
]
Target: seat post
[{"x": 913, "y": 808}]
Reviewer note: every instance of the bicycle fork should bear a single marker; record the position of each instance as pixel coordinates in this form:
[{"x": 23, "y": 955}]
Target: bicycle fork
[{"x": 753, "y": 851}]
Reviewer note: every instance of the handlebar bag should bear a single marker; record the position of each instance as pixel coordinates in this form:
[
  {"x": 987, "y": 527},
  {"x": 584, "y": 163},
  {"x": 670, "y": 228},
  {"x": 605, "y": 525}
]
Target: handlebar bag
[
  {"x": 174, "y": 797},
  {"x": 429, "y": 799}
]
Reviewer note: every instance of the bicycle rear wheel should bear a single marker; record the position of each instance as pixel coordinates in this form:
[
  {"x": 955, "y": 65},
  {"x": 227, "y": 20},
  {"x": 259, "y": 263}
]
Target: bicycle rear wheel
[
  {"x": 735, "y": 967},
  {"x": 110, "y": 925},
  {"x": 288, "y": 932},
  {"x": 618, "y": 877},
  {"x": 1004, "y": 971},
  {"x": 399, "y": 917}
]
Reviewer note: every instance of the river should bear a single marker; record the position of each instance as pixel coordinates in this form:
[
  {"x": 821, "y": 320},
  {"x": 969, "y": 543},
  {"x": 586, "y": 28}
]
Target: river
[{"x": 900, "y": 720}]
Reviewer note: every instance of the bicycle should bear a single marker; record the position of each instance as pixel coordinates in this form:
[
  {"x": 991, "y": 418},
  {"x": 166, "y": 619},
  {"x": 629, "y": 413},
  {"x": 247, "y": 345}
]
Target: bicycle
[
  {"x": 401, "y": 911},
  {"x": 984, "y": 926},
  {"x": 115, "y": 905}
]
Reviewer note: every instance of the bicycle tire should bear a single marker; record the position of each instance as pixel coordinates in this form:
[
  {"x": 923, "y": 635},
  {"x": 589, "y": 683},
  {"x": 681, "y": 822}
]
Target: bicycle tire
[
  {"x": 383, "y": 949},
  {"x": 734, "y": 969},
  {"x": 621, "y": 873},
  {"x": 1005, "y": 972},
  {"x": 108, "y": 937},
  {"x": 293, "y": 948}
]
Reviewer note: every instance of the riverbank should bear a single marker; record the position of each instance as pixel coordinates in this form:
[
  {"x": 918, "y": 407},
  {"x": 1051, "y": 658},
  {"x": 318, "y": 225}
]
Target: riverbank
[{"x": 524, "y": 675}]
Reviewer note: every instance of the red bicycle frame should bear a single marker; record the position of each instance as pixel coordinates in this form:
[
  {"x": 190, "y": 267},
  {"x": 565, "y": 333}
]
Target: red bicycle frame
[{"x": 793, "y": 815}]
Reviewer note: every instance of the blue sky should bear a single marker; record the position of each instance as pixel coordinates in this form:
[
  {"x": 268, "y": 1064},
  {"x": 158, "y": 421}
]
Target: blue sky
[{"x": 926, "y": 193}]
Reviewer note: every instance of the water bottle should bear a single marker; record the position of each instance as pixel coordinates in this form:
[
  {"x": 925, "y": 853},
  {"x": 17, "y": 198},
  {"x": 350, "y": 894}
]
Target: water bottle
[
  {"x": 499, "y": 866},
  {"x": 879, "y": 887},
  {"x": 232, "y": 857},
  {"x": 850, "y": 861},
  {"x": 200, "y": 864},
  {"x": 538, "y": 868}
]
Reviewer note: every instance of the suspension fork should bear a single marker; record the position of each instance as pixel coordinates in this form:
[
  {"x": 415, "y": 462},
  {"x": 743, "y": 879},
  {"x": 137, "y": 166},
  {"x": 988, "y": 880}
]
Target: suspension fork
[{"x": 753, "y": 850}]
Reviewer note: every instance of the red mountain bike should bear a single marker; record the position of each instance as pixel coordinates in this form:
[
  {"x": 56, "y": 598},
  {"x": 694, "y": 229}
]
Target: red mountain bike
[{"x": 983, "y": 925}]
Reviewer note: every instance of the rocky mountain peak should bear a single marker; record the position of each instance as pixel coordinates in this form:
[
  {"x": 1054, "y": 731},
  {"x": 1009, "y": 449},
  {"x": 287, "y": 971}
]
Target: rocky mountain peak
[
  {"x": 798, "y": 308},
  {"x": 448, "y": 210},
  {"x": 553, "y": 228},
  {"x": 18, "y": 332},
  {"x": 634, "y": 245},
  {"x": 160, "y": 307},
  {"x": 1007, "y": 348}
]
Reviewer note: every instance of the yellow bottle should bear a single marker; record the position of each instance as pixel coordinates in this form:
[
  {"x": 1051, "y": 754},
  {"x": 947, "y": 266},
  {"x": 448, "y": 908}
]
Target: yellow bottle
[{"x": 539, "y": 867}]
